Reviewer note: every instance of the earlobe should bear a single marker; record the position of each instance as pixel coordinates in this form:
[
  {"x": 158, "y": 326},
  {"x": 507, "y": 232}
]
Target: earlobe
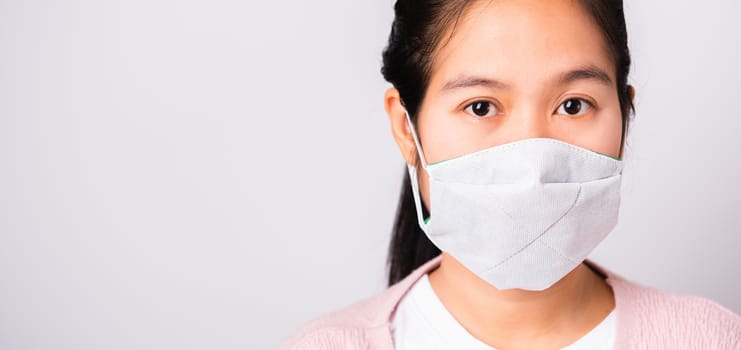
[
  {"x": 399, "y": 125},
  {"x": 631, "y": 93}
]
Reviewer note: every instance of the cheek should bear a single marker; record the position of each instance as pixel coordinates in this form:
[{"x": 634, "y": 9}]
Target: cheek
[
  {"x": 446, "y": 135},
  {"x": 602, "y": 134},
  {"x": 606, "y": 138}
]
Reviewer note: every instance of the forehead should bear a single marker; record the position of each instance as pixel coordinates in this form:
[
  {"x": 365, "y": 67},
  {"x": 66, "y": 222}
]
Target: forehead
[{"x": 524, "y": 42}]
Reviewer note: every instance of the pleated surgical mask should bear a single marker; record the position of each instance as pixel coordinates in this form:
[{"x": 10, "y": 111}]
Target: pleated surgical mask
[{"x": 522, "y": 214}]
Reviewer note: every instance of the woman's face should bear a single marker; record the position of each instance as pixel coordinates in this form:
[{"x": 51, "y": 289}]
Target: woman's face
[{"x": 515, "y": 70}]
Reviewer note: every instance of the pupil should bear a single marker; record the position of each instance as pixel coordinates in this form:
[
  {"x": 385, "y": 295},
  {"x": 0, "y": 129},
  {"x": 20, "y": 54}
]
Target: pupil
[
  {"x": 481, "y": 108},
  {"x": 572, "y": 106}
]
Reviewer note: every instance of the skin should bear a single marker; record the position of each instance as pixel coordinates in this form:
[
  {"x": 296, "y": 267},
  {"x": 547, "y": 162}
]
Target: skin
[{"x": 527, "y": 46}]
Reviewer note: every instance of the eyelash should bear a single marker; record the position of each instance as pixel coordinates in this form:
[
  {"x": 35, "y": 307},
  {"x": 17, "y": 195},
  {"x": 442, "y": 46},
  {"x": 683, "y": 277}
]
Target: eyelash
[
  {"x": 583, "y": 100},
  {"x": 467, "y": 106},
  {"x": 589, "y": 104}
]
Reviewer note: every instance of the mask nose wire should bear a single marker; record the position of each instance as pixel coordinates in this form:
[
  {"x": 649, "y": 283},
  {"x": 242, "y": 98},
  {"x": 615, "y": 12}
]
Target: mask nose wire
[{"x": 416, "y": 140}]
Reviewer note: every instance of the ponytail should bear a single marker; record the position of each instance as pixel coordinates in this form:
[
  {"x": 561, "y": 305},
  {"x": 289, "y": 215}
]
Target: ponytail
[{"x": 410, "y": 247}]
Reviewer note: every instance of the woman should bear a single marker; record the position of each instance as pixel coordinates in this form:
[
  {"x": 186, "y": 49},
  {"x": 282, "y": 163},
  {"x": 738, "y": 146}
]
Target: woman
[{"x": 511, "y": 116}]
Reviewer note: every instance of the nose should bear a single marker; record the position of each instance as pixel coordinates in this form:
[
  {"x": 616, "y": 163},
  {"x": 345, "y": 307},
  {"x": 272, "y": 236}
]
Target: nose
[{"x": 528, "y": 123}]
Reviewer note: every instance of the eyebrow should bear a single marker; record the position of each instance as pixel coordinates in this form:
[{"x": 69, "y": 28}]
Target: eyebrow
[{"x": 588, "y": 72}]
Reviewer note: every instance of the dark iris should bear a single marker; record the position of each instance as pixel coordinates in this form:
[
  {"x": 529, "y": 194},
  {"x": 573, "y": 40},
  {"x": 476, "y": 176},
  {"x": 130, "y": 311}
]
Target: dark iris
[
  {"x": 480, "y": 108},
  {"x": 572, "y": 106}
]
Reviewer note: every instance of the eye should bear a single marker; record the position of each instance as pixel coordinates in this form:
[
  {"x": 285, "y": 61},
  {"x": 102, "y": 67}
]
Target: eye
[
  {"x": 481, "y": 109},
  {"x": 574, "y": 106}
]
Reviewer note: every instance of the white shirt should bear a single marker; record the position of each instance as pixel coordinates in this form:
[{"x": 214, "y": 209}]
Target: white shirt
[{"x": 421, "y": 321}]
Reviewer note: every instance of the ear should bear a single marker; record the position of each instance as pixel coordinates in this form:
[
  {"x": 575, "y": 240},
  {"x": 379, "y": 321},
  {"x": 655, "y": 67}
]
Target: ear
[
  {"x": 632, "y": 95},
  {"x": 399, "y": 125}
]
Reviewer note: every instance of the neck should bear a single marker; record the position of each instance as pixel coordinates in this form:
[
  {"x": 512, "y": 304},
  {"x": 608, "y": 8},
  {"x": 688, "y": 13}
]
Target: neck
[{"x": 516, "y": 318}]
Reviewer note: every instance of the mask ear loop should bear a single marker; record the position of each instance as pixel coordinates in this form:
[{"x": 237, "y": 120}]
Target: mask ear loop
[
  {"x": 416, "y": 140},
  {"x": 423, "y": 224}
]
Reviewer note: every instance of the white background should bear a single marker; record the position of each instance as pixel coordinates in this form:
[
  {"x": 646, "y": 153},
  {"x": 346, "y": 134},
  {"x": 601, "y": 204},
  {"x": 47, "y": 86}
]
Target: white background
[{"x": 212, "y": 174}]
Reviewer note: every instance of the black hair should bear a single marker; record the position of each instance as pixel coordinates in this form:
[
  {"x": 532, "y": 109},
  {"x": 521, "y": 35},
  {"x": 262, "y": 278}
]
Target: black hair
[{"x": 407, "y": 62}]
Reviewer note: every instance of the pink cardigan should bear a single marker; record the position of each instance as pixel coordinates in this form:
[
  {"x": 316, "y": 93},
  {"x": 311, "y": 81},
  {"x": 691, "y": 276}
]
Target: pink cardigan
[{"x": 646, "y": 319}]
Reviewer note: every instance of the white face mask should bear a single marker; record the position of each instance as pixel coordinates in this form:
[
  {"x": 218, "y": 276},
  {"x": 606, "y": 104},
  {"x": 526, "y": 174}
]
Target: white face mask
[{"x": 522, "y": 214}]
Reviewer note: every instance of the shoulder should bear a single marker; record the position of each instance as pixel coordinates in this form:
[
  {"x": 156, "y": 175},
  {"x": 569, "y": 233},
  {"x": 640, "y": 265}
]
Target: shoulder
[
  {"x": 656, "y": 317},
  {"x": 362, "y": 325},
  {"x": 666, "y": 307},
  {"x": 346, "y": 328}
]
